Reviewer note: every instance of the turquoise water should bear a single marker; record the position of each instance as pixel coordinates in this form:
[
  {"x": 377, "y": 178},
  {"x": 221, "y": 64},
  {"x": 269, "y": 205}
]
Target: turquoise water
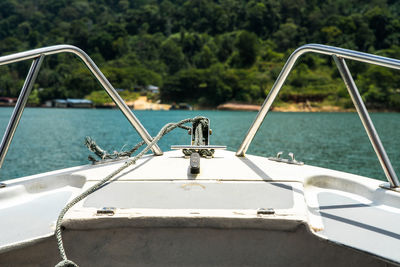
[{"x": 50, "y": 139}]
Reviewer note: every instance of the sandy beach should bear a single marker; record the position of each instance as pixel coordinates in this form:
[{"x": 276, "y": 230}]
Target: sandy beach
[
  {"x": 142, "y": 103},
  {"x": 292, "y": 107}
]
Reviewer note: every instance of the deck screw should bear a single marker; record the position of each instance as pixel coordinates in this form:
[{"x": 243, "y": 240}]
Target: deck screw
[{"x": 263, "y": 211}]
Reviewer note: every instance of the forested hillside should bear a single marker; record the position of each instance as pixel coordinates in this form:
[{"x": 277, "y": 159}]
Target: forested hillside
[{"x": 202, "y": 51}]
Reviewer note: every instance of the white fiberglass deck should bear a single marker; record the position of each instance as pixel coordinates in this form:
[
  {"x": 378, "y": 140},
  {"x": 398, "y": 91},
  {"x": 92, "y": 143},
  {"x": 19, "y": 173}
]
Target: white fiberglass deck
[{"x": 159, "y": 190}]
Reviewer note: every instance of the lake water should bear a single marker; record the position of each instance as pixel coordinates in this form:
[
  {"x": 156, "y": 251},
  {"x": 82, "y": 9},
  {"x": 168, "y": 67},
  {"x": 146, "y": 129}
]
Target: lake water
[{"x": 50, "y": 139}]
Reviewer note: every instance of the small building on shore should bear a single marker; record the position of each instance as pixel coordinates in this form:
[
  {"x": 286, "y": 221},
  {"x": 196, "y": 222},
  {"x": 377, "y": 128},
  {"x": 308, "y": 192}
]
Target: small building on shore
[
  {"x": 69, "y": 103},
  {"x": 59, "y": 103},
  {"x": 8, "y": 101},
  {"x": 79, "y": 103},
  {"x": 181, "y": 106},
  {"x": 153, "y": 89}
]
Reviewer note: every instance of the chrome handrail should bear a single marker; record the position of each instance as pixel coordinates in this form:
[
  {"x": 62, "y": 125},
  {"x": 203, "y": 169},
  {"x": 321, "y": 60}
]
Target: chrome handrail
[
  {"x": 37, "y": 55},
  {"x": 339, "y": 54}
]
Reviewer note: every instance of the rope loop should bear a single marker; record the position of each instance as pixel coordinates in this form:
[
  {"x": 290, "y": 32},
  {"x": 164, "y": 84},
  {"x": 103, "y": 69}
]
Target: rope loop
[
  {"x": 66, "y": 263},
  {"x": 103, "y": 154}
]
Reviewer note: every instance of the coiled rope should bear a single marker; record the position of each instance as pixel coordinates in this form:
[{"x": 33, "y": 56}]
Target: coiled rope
[{"x": 164, "y": 130}]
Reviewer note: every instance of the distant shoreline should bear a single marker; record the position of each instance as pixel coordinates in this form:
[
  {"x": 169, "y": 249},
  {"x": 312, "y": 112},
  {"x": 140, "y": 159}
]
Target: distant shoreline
[
  {"x": 291, "y": 107},
  {"x": 144, "y": 104}
]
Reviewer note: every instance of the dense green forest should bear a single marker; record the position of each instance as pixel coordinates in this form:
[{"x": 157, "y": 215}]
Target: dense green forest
[{"x": 202, "y": 51}]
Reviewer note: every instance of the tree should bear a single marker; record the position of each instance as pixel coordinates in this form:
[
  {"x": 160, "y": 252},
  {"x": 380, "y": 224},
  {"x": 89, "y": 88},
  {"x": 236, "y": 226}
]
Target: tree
[
  {"x": 247, "y": 45},
  {"x": 205, "y": 58},
  {"x": 286, "y": 37},
  {"x": 172, "y": 56},
  {"x": 224, "y": 46},
  {"x": 231, "y": 49},
  {"x": 262, "y": 16},
  {"x": 102, "y": 41}
]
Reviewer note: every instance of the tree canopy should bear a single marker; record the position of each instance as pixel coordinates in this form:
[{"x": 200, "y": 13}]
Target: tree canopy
[{"x": 203, "y": 51}]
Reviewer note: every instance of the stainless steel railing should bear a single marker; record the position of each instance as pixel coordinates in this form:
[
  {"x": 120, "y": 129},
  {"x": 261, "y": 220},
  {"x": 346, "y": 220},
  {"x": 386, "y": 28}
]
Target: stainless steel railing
[
  {"x": 339, "y": 55},
  {"x": 37, "y": 55}
]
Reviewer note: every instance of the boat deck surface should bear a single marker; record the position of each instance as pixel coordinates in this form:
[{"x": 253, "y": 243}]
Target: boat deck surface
[{"x": 230, "y": 192}]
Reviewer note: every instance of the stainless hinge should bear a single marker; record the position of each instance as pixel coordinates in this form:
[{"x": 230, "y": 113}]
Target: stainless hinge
[
  {"x": 290, "y": 160},
  {"x": 110, "y": 211},
  {"x": 262, "y": 211}
]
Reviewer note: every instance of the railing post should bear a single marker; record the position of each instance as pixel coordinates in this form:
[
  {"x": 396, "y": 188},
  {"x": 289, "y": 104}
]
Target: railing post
[
  {"x": 32, "y": 54},
  {"x": 367, "y": 122},
  {"x": 19, "y": 107},
  {"x": 268, "y": 103}
]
